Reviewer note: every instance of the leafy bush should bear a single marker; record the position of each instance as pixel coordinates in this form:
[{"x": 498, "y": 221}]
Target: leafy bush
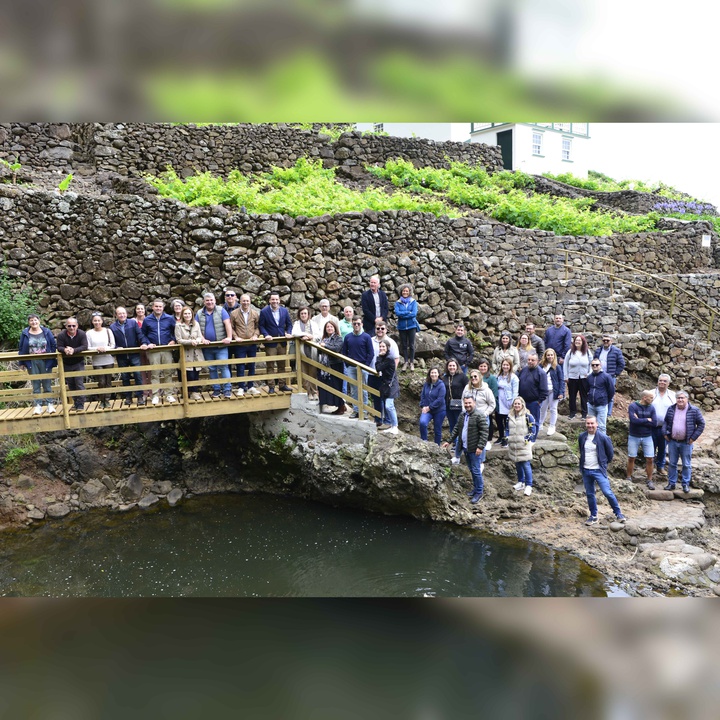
[
  {"x": 303, "y": 189},
  {"x": 15, "y": 306},
  {"x": 17, "y": 447},
  {"x": 506, "y": 197}
]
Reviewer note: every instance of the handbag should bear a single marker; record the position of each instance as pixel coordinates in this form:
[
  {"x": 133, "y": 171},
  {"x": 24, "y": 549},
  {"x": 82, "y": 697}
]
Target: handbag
[{"x": 456, "y": 404}]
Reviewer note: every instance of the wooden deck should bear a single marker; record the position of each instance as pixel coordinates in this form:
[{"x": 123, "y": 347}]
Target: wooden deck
[{"x": 16, "y": 396}]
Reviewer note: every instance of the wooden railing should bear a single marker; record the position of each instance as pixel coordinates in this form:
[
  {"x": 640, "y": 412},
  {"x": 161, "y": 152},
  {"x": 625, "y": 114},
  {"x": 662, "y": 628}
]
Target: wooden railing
[
  {"x": 616, "y": 277},
  {"x": 17, "y": 397}
]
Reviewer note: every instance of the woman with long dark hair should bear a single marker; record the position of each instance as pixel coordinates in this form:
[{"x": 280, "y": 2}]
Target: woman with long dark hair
[{"x": 576, "y": 370}]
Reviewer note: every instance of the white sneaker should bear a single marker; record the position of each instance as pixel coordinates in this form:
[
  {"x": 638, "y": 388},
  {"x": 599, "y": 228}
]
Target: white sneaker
[
  {"x": 171, "y": 399},
  {"x": 488, "y": 445},
  {"x": 50, "y": 408},
  {"x": 239, "y": 392},
  {"x": 391, "y": 430},
  {"x": 195, "y": 396},
  {"x": 156, "y": 400},
  {"x": 518, "y": 486},
  {"x": 528, "y": 489},
  {"x": 482, "y": 467},
  {"x": 254, "y": 391},
  {"x": 551, "y": 430},
  {"x": 455, "y": 461},
  {"x": 37, "y": 410}
]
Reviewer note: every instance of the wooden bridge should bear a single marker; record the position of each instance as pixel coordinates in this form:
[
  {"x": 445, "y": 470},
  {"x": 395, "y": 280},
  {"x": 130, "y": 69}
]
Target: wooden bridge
[{"x": 17, "y": 399}]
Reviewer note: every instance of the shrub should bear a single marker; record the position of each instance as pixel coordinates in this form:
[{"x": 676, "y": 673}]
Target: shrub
[
  {"x": 15, "y": 448},
  {"x": 15, "y": 306}
]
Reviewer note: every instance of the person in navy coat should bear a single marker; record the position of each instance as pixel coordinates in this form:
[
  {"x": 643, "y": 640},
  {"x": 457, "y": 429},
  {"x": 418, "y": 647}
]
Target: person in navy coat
[{"x": 275, "y": 322}]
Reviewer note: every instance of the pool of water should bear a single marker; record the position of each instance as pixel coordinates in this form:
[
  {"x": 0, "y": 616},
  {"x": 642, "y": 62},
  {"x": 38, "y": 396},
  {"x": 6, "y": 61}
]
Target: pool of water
[{"x": 267, "y": 546}]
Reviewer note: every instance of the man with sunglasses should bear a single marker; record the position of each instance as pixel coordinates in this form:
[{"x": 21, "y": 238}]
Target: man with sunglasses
[
  {"x": 70, "y": 342},
  {"x": 612, "y": 362},
  {"x": 232, "y": 304},
  {"x": 600, "y": 392}
]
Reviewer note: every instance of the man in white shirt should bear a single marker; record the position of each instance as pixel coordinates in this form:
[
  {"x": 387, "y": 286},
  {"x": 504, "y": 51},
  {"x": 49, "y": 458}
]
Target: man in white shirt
[
  {"x": 317, "y": 323},
  {"x": 663, "y": 400}
]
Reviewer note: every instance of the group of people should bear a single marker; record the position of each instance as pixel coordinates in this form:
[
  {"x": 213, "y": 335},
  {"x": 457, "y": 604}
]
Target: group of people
[{"x": 512, "y": 393}]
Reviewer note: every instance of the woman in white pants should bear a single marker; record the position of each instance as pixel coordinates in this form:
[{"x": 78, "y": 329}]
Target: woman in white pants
[{"x": 556, "y": 390}]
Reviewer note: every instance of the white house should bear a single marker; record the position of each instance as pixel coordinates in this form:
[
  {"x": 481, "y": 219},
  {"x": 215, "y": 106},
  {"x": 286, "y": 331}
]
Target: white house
[{"x": 537, "y": 148}]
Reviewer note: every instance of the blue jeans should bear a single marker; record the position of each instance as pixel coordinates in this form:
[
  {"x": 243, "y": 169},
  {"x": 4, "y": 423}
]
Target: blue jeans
[
  {"x": 437, "y": 417},
  {"x": 524, "y": 472},
  {"x": 534, "y": 409},
  {"x": 245, "y": 351},
  {"x": 452, "y": 416},
  {"x": 37, "y": 367},
  {"x": 679, "y": 450},
  {"x": 130, "y": 360},
  {"x": 474, "y": 462},
  {"x": 590, "y": 477},
  {"x": 660, "y": 447},
  {"x": 389, "y": 414},
  {"x": 351, "y": 372},
  {"x": 601, "y": 413},
  {"x": 218, "y": 353}
]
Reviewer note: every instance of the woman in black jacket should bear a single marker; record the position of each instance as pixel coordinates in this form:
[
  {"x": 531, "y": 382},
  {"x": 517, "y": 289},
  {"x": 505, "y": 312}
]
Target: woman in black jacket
[
  {"x": 455, "y": 381},
  {"x": 331, "y": 340},
  {"x": 389, "y": 388}
]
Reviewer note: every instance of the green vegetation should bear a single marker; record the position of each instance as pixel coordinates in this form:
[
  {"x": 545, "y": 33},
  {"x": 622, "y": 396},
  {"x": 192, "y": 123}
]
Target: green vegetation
[
  {"x": 15, "y": 306},
  {"x": 14, "y": 167},
  {"x": 599, "y": 182},
  {"x": 17, "y": 447},
  {"x": 506, "y": 196},
  {"x": 307, "y": 188},
  {"x": 304, "y": 189},
  {"x": 65, "y": 184}
]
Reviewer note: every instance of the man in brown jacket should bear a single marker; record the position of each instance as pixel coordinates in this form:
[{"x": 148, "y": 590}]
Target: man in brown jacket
[{"x": 244, "y": 323}]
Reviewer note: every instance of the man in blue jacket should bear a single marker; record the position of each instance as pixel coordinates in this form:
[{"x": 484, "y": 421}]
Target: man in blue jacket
[
  {"x": 358, "y": 346},
  {"x": 127, "y": 334},
  {"x": 596, "y": 453},
  {"x": 558, "y": 337},
  {"x": 275, "y": 322},
  {"x": 533, "y": 389},
  {"x": 600, "y": 392},
  {"x": 612, "y": 361},
  {"x": 374, "y": 304},
  {"x": 683, "y": 425},
  {"x": 158, "y": 329}
]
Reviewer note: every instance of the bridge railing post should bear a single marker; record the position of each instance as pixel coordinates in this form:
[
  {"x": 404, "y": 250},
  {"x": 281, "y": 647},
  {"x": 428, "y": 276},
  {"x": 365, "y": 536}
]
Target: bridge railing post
[
  {"x": 298, "y": 363},
  {"x": 183, "y": 381},
  {"x": 63, "y": 392}
]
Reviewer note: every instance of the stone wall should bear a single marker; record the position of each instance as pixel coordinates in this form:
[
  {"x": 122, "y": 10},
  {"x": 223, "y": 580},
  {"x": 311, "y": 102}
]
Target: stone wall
[
  {"x": 82, "y": 251},
  {"x": 135, "y": 148},
  {"x": 53, "y": 145}
]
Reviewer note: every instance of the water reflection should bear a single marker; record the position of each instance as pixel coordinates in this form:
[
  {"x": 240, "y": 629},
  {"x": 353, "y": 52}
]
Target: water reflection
[{"x": 264, "y": 546}]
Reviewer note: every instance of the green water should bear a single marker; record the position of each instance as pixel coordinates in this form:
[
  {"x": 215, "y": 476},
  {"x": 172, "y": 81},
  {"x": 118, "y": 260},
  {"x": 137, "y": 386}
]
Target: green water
[{"x": 266, "y": 546}]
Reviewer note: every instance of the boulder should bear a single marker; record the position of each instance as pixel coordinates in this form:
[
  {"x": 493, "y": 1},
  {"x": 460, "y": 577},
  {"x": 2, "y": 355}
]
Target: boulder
[
  {"x": 174, "y": 496},
  {"x": 131, "y": 488},
  {"x": 58, "y": 510},
  {"x": 148, "y": 500},
  {"x": 93, "y": 491}
]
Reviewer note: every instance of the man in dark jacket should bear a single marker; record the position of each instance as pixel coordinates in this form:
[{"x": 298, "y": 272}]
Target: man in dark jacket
[
  {"x": 683, "y": 425},
  {"x": 70, "y": 341},
  {"x": 558, "y": 337},
  {"x": 612, "y": 361},
  {"x": 535, "y": 340},
  {"x": 374, "y": 303},
  {"x": 600, "y": 391},
  {"x": 158, "y": 330},
  {"x": 127, "y": 334},
  {"x": 533, "y": 389},
  {"x": 358, "y": 346},
  {"x": 275, "y": 321},
  {"x": 596, "y": 453},
  {"x": 472, "y": 429},
  {"x": 459, "y": 348}
]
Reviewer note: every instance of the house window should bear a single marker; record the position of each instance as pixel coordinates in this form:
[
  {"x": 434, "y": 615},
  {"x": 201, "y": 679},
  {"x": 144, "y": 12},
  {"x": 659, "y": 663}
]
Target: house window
[
  {"x": 565, "y": 127},
  {"x": 566, "y": 148},
  {"x": 378, "y": 127},
  {"x": 537, "y": 143}
]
